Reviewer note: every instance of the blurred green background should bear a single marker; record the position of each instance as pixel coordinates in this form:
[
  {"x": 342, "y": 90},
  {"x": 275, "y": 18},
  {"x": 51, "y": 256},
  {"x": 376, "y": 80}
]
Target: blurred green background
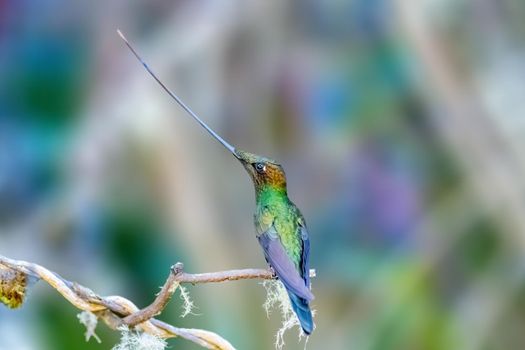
[{"x": 401, "y": 125}]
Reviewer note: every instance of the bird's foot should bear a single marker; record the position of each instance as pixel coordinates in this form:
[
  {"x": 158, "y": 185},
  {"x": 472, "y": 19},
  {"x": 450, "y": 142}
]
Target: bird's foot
[{"x": 274, "y": 275}]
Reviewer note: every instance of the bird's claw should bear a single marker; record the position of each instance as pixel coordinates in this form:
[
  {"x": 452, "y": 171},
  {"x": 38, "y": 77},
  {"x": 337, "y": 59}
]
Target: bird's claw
[{"x": 274, "y": 275}]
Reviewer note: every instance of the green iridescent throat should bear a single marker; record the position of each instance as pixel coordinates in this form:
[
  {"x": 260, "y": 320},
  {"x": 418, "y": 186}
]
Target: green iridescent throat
[{"x": 268, "y": 193}]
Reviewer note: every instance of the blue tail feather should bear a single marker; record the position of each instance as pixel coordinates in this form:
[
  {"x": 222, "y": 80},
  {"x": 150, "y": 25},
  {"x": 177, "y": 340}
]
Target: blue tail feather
[{"x": 302, "y": 310}]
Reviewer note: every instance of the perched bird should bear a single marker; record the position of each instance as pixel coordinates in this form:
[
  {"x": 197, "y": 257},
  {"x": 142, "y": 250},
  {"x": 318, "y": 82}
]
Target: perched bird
[{"x": 280, "y": 226}]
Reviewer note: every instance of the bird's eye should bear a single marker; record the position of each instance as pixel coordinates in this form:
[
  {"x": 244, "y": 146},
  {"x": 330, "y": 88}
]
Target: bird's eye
[{"x": 260, "y": 167}]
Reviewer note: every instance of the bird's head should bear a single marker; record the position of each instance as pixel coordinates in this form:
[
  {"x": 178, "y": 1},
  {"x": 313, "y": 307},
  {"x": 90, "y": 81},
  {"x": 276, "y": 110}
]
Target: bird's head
[{"x": 263, "y": 171}]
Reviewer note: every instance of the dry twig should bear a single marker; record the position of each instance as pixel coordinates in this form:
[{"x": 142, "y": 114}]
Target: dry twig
[{"x": 116, "y": 311}]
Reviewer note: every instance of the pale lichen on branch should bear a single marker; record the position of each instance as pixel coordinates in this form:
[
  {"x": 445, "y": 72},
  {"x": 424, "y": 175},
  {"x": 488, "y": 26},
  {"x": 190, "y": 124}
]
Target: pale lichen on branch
[{"x": 116, "y": 311}]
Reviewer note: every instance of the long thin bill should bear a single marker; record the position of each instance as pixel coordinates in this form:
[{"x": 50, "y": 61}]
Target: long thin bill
[{"x": 177, "y": 99}]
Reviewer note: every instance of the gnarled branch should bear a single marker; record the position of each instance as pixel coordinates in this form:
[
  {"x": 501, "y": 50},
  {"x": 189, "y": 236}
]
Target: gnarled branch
[{"x": 116, "y": 310}]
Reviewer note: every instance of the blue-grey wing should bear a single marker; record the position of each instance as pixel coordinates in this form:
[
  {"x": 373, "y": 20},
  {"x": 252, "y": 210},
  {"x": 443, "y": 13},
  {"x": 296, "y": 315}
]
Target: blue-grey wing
[
  {"x": 283, "y": 265},
  {"x": 305, "y": 256}
]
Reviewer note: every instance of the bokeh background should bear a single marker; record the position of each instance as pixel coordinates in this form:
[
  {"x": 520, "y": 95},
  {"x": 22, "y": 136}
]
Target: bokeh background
[{"x": 401, "y": 125}]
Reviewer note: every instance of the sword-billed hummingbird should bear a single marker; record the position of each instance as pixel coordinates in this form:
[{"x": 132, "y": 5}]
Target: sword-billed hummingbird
[{"x": 280, "y": 226}]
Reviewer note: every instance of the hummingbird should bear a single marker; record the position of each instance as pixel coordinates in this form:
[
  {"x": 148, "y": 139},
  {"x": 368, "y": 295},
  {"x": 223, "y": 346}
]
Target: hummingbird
[{"x": 280, "y": 227}]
